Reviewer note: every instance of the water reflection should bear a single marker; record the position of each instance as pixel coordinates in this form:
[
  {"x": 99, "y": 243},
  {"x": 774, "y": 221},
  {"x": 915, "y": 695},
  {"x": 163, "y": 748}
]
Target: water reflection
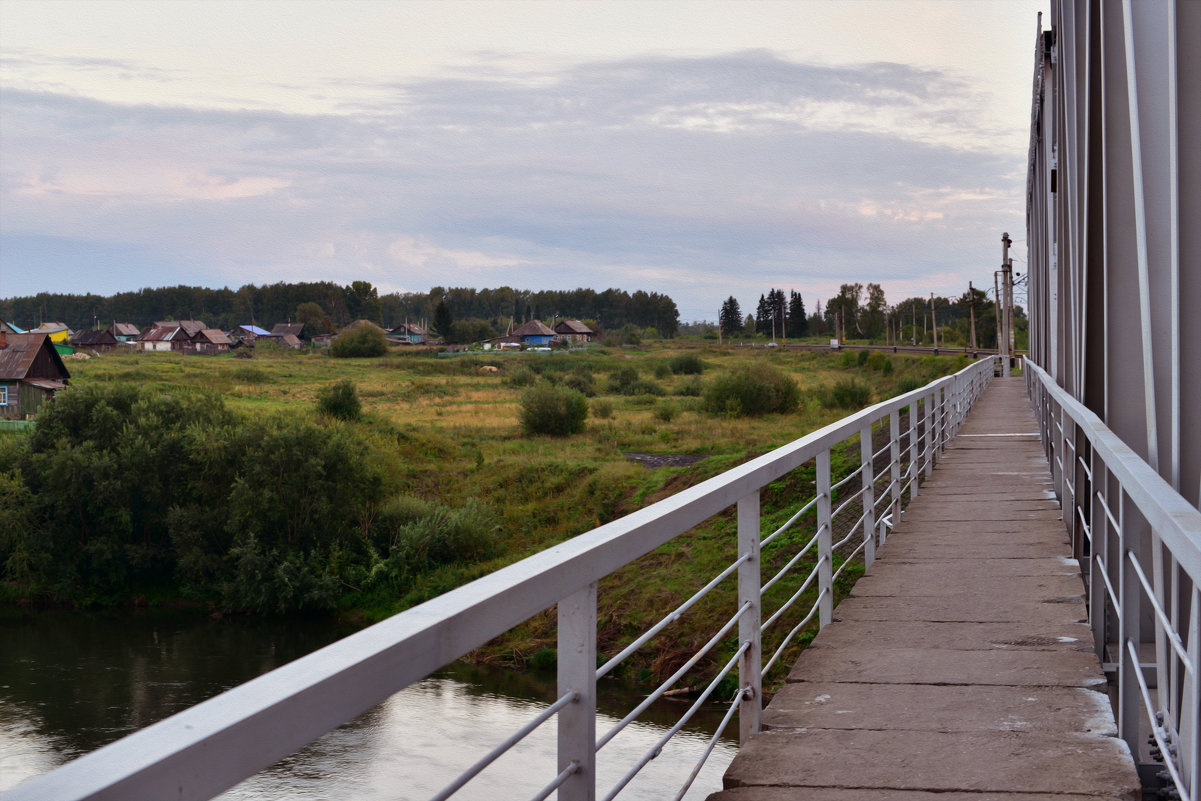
[{"x": 71, "y": 682}]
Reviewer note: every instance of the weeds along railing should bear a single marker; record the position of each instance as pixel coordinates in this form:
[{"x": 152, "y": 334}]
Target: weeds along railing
[
  {"x": 1139, "y": 545},
  {"x": 204, "y": 750}
]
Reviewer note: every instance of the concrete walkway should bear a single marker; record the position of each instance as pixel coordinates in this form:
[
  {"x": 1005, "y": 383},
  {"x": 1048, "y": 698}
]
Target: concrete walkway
[{"x": 960, "y": 667}]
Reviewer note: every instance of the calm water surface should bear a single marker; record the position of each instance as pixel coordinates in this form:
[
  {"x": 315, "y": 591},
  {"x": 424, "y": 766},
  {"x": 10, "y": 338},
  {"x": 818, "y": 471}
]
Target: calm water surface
[{"x": 71, "y": 682}]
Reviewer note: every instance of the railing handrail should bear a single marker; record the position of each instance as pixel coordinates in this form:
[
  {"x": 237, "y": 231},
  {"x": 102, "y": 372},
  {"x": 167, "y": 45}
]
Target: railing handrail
[
  {"x": 1165, "y": 509},
  {"x": 1139, "y": 545},
  {"x": 205, "y": 749}
]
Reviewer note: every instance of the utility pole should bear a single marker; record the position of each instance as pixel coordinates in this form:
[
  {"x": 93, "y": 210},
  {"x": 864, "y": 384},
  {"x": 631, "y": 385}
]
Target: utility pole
[
  {"x": 933, "y": 322},
  {"x": 1006, "y": 300},
  {"x": 971, "y": 294},
  {"x": 914, "y": 305}
]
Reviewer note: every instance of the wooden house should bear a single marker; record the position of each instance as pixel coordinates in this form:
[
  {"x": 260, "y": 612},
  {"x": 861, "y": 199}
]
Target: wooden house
[
  {"x": 282, "y": 330},
  {"x": 409, "y": 333},
  {"x": 208, "y": 340},
  {"x": 532, "y": 334},
  {"x": 125, "y": 332},
  {"x": 31, "y": 372},
  {"x": 248, "y": 333},
  {"x": 94, "y": 340},
  {"x": 573, "y": 331},
  {"x": 170, "y": 335}
]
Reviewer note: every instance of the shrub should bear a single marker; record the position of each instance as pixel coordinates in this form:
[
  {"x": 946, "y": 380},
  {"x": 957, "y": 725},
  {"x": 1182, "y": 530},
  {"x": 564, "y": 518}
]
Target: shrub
[
  {"x": 340, "y": 400},
  {"x": 878, "y": 361},
  {"x": 749, "y": 391},
  {"x": 558, "y": 411},
  {"x": 861, "y": 357},
  {"x": 359, "y": 341},
  {"x": 621, "y": 381},
  {"x": 690, "y": 387},
  {"x": 580, "y": 382},
  {"x": 662, "y": 370},
  {"x": 523, "y": 376},
  {"x": 602, "y": 408},
  {"x": 848, "y": 359},
  {"x": 687, "y": 364},
  {"x": 849, "y": 393},
  {"x": 645, "y": 386},
  {"x": 666, "y": 411}
]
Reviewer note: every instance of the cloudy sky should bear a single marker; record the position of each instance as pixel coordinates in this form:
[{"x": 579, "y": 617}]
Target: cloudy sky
[{"x": 700, "y": 149}]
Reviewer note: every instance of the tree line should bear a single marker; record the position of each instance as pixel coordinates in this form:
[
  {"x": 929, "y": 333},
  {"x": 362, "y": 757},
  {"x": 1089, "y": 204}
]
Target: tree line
[
  {"x": 326, "y": 306},
  {"x": 861, "y": 312}
]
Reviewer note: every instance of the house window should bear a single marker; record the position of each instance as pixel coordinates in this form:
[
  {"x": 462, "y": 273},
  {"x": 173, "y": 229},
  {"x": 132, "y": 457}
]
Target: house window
[{"x": 3, "y": 396}]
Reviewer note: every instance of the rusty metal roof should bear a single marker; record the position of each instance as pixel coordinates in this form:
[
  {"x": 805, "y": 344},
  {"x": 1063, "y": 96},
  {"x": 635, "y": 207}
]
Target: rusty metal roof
[{"x": 19, "y": 353}]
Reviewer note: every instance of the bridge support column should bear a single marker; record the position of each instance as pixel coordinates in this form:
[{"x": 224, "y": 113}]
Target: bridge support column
[
  {"x": 577, "y": 673},
  {"x": 750, "y": 666}
]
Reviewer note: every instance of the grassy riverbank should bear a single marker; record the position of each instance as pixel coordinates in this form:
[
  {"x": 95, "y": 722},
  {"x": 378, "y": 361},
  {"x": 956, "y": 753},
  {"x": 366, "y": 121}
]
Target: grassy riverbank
[{"x": 440, "y": 443}]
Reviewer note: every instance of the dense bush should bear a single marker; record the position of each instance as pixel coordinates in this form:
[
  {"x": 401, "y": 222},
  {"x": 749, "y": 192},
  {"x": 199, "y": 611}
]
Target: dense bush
[
  {"x": 360, "y": 340},
  {"x": 690, "y": 387},
  {"x": 602, "y": 408},
  {"x": 340, "y": 400},
  {"x": 861, "y": 357},
  {"x": 522, "y": 376},
  {"x": 848, "y": 393},
  {"x": 879, "y": 361},
  {"x": 621, "y": 381},
  {"x": 581, "y": 381},
  {"x": 666, "y": 411},
  {"x": 749, "y": 391},
  {"x": 548, "y": 409},
  {"x": 119, "y": 489},
  {"x": 687, "y": 364}
]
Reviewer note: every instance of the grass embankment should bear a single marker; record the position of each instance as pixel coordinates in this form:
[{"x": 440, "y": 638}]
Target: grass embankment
[{"x": 441, "y": 430}]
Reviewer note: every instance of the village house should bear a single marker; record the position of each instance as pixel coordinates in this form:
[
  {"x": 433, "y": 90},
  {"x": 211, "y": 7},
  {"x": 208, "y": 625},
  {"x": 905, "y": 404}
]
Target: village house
[
  {"x": 94, "y": 340},
  {"x": 573, "y": 331},
  {"x": 31, "y": 372},
  {"x": 295, "y": 330},
  {"x": 409, "y": 333},
  {"x": 59, "y": 333},
  {"x": 248, "y": 333},
  {"x": 170, "y": 335},
  {"x": 209, "y": 340},
  {"x": 124, "y": 332},
  {"x": 532, "y": 334}
]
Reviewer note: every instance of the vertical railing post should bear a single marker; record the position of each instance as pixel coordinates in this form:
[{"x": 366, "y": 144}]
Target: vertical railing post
[
  {"x": 929, "y": 465},
  {"x": 894, "y": 436},
  {"x": 914, "y": 458},
  {"x": 750, "y": 666},
  {"x": 1100, "y": 550},
  {"x": 577, "y": 673},
  {"x": 825, "y": 541},
  {"x": 1129, "y": 613},
  {"x": 868, "y": 476}
]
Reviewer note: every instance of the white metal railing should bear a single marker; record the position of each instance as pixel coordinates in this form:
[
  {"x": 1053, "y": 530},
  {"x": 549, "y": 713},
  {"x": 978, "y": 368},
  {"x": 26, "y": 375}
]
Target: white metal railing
[
  {"x": 208, "y": 748},
  {"x": 1139, "y": 544}
]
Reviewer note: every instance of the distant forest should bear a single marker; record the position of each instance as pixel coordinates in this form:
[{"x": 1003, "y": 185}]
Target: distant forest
[{"x": 326, "y": 305}]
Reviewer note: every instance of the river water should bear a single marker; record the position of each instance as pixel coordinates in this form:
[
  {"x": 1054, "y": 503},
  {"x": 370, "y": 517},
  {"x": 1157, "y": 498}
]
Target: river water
[{"x": 71, "y": 682}]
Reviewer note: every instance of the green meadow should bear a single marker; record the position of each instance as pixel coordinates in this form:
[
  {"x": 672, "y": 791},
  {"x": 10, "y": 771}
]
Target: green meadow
[{"x": 432, "y": 484}]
